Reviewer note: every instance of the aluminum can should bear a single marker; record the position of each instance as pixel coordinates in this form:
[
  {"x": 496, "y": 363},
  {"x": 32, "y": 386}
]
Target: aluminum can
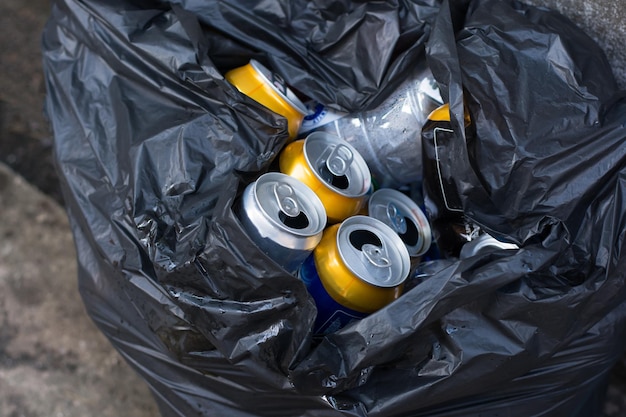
[
  {"x": 404, "y": 216},
  {"x": 283, "y": 217},
  {"x": 333, "y": 169},
  {"x": 358, "y": 267},
  {"x": 484, "y": 243},
  {"x": 269, "y": 89},
  {"x": 388, "y": 135}
]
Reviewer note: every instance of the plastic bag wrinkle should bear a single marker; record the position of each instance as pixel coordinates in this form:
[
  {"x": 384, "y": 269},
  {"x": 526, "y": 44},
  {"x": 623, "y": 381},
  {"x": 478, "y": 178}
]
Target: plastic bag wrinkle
[
  {"x": 313, "y": 50},
  {"x": 154, "y": 147}
]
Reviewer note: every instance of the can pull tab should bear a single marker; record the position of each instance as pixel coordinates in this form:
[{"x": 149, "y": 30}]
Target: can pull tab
[
  {"x": 339, "y": 160},
  {"x": 376, "y": 255},
  {"x": 286, "y": 199},
  {"x": 396, "y": 219},
  {"x": 333, "y": 164}
]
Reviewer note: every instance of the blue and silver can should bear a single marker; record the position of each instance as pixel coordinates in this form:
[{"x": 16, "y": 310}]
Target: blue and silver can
[{"x": 284, "y": 217}]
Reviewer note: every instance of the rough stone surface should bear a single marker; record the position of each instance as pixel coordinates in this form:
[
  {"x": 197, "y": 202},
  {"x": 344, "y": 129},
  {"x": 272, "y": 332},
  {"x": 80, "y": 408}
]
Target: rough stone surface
[
  {"x": 25, "y": 138},
  {"x": 53, "y": 361}
]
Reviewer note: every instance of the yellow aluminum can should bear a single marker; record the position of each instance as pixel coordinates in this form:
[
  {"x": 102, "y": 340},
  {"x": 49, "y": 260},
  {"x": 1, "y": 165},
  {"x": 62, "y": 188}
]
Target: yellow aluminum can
[
  {"x": 362, "y": 264},
  {"x": 333, "y": 169},
  {"x": 268, "y": 89}
]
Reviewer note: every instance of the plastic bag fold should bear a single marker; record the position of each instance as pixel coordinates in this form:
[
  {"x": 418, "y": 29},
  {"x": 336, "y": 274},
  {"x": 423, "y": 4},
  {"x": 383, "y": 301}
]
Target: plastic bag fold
[{"x": 153, "y": 146}]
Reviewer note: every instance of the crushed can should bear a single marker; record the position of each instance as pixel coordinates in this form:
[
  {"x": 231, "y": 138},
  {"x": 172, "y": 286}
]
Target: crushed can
[
  {"x": 269, "y": 89},
  {"x": 359, "y": 266},
  {"x": 482, "y": 244},
  {"x": 333, "y": 169},
  {"x": 283, "y": 217}
]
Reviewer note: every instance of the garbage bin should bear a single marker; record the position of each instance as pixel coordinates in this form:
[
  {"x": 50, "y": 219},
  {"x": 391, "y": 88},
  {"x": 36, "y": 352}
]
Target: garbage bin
[{"x": 153, "y": 146}]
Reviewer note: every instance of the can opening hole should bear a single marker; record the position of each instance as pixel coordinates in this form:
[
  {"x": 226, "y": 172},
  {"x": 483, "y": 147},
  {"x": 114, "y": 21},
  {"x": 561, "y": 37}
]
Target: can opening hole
[
  {"x": 411, "y": 236},
  {"x": 340, "y": 182},
  {"x": 358, "y": 238},
  {"x": 337, "y": 181},
  {"x": 301, "y": 221}
]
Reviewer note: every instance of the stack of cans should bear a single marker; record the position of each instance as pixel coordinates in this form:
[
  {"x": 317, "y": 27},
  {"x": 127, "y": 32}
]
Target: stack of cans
[{"x": 321, "y": 219}]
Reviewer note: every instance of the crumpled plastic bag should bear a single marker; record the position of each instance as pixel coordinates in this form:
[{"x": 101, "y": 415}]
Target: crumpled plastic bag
[
  {"x": 153, "y": 146},
  {"x": 347, "y": 54}
]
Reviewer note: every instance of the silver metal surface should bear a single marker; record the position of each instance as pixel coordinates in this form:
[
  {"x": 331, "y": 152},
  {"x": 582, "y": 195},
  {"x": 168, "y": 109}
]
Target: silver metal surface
[
  {"x": 404, "y": 216},
  {"x": 331, "y": 159},
  {"x": 278, "y": 85},
  {"x": 482, "y": 243},
  {"x": 283, "y": 217},
  {"x": 372, "y": 251}
]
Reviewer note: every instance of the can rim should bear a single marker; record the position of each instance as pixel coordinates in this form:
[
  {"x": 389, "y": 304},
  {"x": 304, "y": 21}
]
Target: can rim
[
  {"x": 289, "y": 96},
  {"x": 359, "y": 163},
  {"x": 312, "y": 204},
  {"x": 388, "y": 235}
]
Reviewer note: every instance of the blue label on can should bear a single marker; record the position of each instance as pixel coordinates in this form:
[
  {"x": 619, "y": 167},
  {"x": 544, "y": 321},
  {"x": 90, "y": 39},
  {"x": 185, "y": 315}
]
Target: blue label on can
[
  {"x": 331, "y": 316},
  {"x": 316, "y": 113}
]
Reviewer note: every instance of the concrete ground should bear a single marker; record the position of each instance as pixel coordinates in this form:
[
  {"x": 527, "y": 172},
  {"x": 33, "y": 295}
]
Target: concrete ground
[{"x": 53, "y": 361}]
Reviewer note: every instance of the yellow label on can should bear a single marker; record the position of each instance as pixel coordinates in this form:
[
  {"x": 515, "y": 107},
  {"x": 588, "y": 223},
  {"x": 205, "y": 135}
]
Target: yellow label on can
[
  {"x": 258, "y": 87},
  {"x": 342, "y": 285},
  {"x": 293, "y": 162},
  {"x": 442, "y": 114}
]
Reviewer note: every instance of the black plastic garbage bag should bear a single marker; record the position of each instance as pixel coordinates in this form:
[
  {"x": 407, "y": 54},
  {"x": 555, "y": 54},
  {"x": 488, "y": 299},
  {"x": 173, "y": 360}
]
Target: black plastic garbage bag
[
  {"x": 349, "y": 54},
  {"x": 154, "y": 146}
]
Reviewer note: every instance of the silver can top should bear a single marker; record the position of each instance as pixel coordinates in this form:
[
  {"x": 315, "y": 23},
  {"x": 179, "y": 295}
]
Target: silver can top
[
  {"x": 404, "y": 216},
  {"x": 372, "y": 251},
  {"x": 289, "y": 204},
  {"x": 279, "y": 86},
  {"x": 337, "y": 164}
]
